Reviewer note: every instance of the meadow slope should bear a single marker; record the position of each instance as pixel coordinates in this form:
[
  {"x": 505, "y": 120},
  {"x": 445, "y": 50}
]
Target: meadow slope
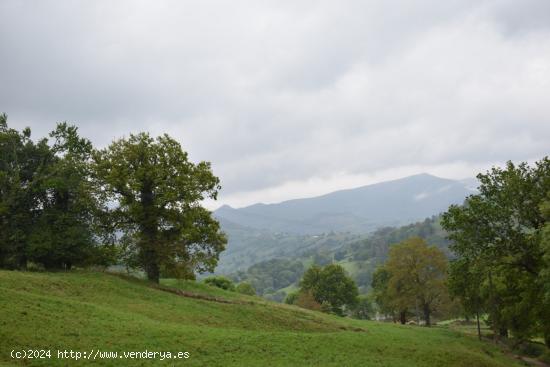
[{"x": 84, "y": 311}]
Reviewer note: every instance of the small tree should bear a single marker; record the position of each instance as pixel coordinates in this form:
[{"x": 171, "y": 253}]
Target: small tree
[
  {"x": 331, "y": 286},
  {"x": 158, "y": 194}
]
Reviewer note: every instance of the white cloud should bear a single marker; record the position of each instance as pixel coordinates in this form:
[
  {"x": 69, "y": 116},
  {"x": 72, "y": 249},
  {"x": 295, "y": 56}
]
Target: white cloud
[{"x": 290, "y": 98}]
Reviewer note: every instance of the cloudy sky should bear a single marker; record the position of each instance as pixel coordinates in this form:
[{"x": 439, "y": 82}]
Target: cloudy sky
[{"x": 290, "y": 98}]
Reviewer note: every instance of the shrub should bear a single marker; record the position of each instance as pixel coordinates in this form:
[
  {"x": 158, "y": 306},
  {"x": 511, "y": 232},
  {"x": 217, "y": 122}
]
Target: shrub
[
  {"x": 246, "y": 288},
  {"x": 291, "y": 298},
  {"x": 220, "y": 282}
]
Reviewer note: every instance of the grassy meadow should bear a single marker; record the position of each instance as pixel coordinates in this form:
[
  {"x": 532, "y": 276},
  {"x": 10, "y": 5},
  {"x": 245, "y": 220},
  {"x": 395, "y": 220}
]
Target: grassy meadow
[{"x": 83, "y": 311}]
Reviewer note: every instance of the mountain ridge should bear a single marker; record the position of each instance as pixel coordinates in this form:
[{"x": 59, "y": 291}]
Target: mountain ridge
[{"x": 359, "y": 210}]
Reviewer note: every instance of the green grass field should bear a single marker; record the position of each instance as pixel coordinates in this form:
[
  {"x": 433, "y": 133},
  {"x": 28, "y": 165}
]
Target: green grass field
[{"x": 85, "y": 311}]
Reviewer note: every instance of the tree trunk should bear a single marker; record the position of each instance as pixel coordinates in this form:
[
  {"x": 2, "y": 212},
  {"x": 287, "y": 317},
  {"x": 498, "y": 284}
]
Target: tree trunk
[
  {"x": 403, "y": 317},
  {"x": 427, "y": 313},
  {"x": 149, "y": 230},
  {"x": 478, "y": 327},
  {"x": 152, "y": 270}
]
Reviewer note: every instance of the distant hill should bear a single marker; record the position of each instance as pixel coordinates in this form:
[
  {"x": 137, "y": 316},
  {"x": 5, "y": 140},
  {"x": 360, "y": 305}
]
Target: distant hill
[
  {"x": 359, "y": 210},
  {"x": 248, "y": 246},
  {"x": 276, "y": 277}
]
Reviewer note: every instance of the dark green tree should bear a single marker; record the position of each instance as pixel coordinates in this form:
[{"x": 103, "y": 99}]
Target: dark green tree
[
  {"x": 158, "y": 193},
  {"x": 330, "y": 286},
  {"x": 66, "y": 231},
  {"x": 502, "y": 229},
  {"x": 23, "y": 164}
]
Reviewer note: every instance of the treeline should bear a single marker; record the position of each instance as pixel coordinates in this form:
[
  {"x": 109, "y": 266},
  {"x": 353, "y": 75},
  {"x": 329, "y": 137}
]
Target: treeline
[
  {"x": 501, "y": 238},
  {"x": 376, "y": 247},
  {"x": 64, "y": 203}
]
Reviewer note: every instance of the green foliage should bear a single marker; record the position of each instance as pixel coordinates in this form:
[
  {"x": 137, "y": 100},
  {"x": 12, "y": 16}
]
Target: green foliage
[
  {"x": 380, "y": 295},
  {"x": 499, "y": 237},
  {"x": 48, "y": 202},
  {"x": 330, "y": 286},
  {"x": 158, "y": 192},
  {"x": 64, "y": 204},
  {"x": 269, "y": 276},
  {"x": 363, "y": 309},
  {"x": 20, "y": 161},
  {"x": 64, "y": 233},
  {"x": 291, "y": 298},
  {"x": 246, "y": 288},
  {"x": 220, "y": 282},
  {"x": 247, "y": 246}
]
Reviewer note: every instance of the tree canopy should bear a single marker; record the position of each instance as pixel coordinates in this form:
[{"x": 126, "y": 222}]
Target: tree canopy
[
  {"x": 64, "y": 203},
  {"x": 330, "y": 286},
  {"x": 413, "y": 278},
  {"x": 159, "y": 194},
  {"x": 499, "y": 237}
]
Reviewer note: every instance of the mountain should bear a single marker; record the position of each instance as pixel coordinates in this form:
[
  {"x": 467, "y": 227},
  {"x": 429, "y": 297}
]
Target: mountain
[{"x": 358, "y": 210}]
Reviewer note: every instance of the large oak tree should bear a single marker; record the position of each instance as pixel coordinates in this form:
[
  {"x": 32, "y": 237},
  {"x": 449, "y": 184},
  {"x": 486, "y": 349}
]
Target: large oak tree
[{"x": 156, "y": 194}]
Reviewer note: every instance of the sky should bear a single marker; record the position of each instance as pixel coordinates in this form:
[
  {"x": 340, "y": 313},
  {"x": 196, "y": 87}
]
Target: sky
[{"x": 290, "y": 99}]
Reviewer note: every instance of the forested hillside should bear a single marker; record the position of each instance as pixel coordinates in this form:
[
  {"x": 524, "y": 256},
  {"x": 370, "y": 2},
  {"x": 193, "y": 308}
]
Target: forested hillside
[{"x": 277, "y": 277}]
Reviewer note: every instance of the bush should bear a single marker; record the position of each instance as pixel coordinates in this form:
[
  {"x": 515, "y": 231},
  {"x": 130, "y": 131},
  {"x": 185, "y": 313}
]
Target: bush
[
  {"x": 220, "y": 282},
  {"x": 291, "y": 298},
  {"x": 246, "y": 288}
]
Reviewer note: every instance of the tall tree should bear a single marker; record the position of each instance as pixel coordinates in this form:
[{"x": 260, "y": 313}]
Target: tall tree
[
  {"x": 65, "y": 232},
  {"x": 545, "y": 271},
  {"x": 158, "y": 193},
  {"x": 21, "y": 162},
  {"x": 501, "y": 228}
]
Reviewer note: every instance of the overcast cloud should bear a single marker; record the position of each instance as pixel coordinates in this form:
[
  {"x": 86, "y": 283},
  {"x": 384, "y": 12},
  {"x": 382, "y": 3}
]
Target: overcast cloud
[{"x": 290, "y": 98}]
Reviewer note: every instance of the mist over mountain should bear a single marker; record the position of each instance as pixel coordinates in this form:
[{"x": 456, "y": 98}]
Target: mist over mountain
[{"x": 358, "y": 210}]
